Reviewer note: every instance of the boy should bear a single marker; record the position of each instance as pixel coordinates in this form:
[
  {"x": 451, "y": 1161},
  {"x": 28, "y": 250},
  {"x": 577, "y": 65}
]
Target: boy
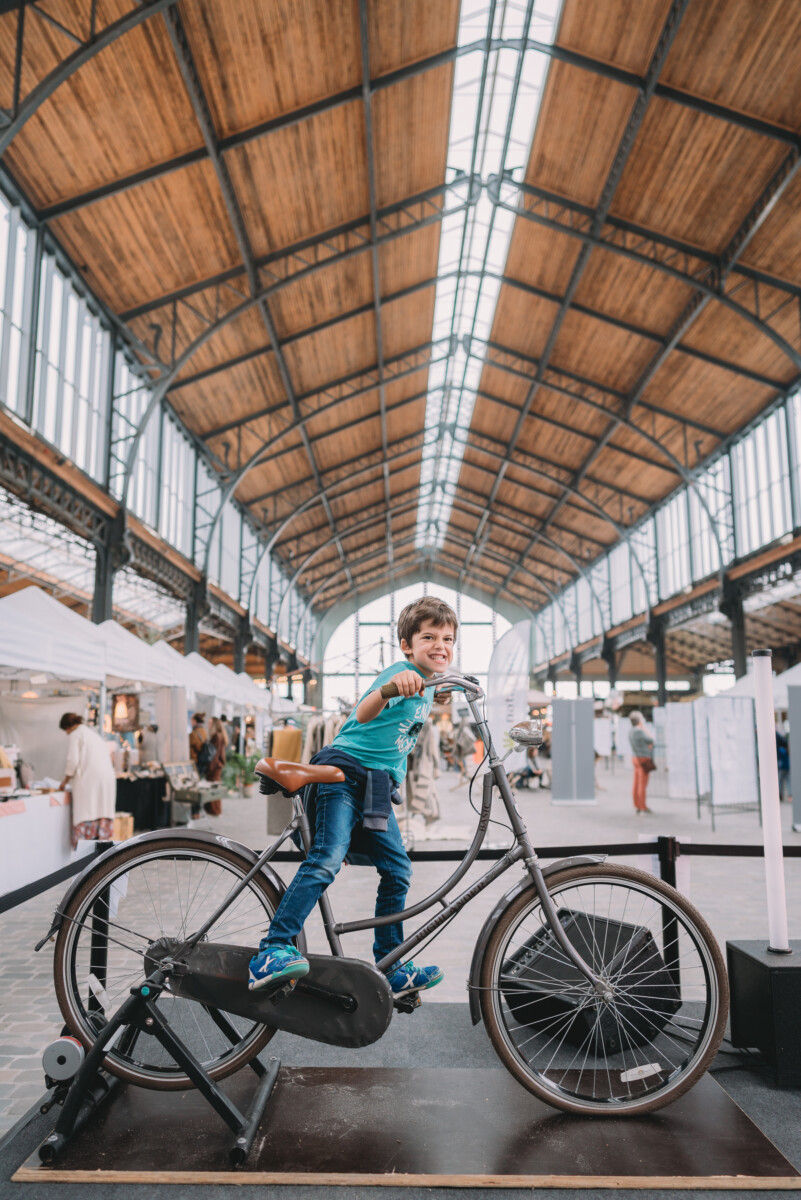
[{"x": 371, "y": 748}]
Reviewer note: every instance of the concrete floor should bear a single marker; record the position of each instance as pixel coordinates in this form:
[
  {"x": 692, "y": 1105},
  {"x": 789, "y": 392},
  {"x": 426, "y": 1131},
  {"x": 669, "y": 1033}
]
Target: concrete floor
[{"x": 729, "y": 892}]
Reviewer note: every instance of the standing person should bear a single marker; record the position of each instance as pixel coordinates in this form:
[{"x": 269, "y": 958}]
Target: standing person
[
  {"x": 218, "y": 739},
  {"x": 196, "y": 739},
  {"x": 464, "y": 743},
  {"x": 642, "y": 748},
  {"x": 783, "y": 763},
  {"x": 148, "y": 744},
  {"x": 91, "y": 777},
  {"x": 371, "y": 749},
  {"x": 199, "y": 752}
]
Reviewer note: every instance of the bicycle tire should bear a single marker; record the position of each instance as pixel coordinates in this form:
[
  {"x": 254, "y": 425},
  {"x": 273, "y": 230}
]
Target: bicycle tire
[
  {"x": 635, "y": 1053},
  {"x": 73, "y": 959}
]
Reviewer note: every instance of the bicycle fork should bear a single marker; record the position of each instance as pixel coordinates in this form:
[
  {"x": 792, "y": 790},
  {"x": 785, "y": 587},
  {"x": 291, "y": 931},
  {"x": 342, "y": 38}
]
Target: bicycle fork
[{"x": 497, "y": 776}]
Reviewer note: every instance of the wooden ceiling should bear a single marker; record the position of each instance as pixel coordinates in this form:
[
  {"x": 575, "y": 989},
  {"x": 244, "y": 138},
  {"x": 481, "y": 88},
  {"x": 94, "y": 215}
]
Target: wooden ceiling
[{"x": 296, "y": 150}]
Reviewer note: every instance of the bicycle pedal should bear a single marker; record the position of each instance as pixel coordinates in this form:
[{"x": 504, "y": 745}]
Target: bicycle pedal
[
  {"x": 408, "y": 1003},
  {"x": 282, "y": 991}
]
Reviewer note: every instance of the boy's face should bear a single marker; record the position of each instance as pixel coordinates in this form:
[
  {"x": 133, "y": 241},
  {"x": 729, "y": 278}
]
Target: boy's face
[{"x": 431, "y": 648}]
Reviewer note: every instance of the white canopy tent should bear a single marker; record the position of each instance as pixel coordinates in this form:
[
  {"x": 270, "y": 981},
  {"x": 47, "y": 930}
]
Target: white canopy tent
[
  {"x": 745, "y": 686},
  {"x": 128, "y": 658},
  {"x": 38, "y": 634}
]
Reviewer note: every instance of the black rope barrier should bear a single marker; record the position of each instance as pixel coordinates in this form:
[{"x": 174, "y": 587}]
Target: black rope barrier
[
  {"x": 668, "y": 849},
  {"x": 19, "y": 896}
]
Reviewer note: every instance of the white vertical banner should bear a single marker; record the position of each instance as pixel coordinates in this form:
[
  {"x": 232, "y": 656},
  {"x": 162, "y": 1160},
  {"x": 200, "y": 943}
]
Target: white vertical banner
[
  {"x": 732, "y": 751},
  {"x": 507, "y": 686},
  {"x": 680, "y": 751}
]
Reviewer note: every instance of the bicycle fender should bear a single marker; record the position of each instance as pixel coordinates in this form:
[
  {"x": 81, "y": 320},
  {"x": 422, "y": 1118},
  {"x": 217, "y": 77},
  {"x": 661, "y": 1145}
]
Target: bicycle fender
[
  {"x": 473, "y": 984},
  {"x": 203, "y": 836}
]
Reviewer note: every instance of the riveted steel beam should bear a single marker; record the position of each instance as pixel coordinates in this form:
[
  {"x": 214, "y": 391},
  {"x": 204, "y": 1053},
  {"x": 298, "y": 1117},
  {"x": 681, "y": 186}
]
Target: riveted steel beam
[
  {"x": 633, "y": 124},
  {"x": 773, "y": 190},
  {"x": 23, "y": 108},
  {"x": 204, "y": 118},
  {"x": 351, "y": 95}
]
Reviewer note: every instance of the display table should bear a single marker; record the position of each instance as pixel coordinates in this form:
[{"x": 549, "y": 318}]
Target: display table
[
  {"x": 187, "y": 798},
  {"x": 146, "y": 799},
  {"x": 34, "y": 837}
]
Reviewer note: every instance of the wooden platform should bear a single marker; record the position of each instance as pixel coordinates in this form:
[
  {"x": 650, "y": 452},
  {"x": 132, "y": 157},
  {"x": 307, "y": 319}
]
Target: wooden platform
[{"x": 458, "y": 1128}]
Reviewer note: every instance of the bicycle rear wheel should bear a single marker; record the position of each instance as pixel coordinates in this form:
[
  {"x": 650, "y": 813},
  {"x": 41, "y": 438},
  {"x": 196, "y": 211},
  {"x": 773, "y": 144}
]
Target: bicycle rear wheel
[
  {"x": 128, "y": 905},
  {"x": 666, "y": 1014}
]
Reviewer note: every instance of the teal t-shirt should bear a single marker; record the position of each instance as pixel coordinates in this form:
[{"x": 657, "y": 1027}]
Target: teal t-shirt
[{"x": 385, "y": 742}]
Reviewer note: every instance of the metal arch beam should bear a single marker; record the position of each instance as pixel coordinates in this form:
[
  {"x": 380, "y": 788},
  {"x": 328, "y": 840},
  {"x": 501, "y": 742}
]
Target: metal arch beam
[
  {"x": 559, "y": 373},
  {"x": 594, "y": 508},
  {"x": 584, "y": 62},
  {"x": 330, "y": 323},
  {"x": 362, "y": 309},
  {"x": 164, "y": 383},
  {"x": 259, "y": 456},
  {"x": 669, "y": 30},
  {"x": 326, "y": 620},
  {"x": 422, "y": 560},
  {"x": 775, "y": 187},
  {"x": 367, "y": 105},
  {"x": 200, "y": 106},
  {"x": 45, "y": 88},
  {"x": 589, "y": 232},
  {"x": 363, "y": 390},
  {"x": 397, "y": 509},
  {"x": 678, "y": 468},
  {"x": 395, "y": 219},
  {"x": 587, "y": 503},
  {"x": 495, "y": 555},
  {"x": 522, "y": 465},
  {"x": 508, "y": 517}
]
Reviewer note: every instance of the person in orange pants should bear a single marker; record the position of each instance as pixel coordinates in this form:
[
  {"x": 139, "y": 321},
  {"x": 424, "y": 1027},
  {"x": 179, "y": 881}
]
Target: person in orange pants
[{"x": 642, "y": 748}]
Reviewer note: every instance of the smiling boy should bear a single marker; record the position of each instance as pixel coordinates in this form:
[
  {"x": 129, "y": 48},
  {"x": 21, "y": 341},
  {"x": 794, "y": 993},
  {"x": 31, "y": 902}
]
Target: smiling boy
[{"x": 371, "y": 749}]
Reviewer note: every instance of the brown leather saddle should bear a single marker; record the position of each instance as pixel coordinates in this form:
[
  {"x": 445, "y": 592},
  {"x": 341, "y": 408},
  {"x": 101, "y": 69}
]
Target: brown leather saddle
[{"x": 292, "y": 777}]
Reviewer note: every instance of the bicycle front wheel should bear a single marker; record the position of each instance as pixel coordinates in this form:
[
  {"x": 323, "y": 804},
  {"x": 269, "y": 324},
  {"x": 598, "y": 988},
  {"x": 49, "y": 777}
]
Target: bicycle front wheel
[
  {"x": 664, "y": 1016},
  {"x": 135, "y": 902}
]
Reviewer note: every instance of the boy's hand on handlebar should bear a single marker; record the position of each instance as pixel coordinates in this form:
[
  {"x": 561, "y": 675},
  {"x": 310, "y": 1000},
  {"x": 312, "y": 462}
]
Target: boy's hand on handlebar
[{"x": 408, "y": 683}]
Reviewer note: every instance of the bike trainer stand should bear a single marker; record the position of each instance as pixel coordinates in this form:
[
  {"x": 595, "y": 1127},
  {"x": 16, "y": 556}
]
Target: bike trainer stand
[{"x": 139, "y": 1014}]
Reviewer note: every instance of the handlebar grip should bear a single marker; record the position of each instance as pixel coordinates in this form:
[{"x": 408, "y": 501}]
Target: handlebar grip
[{"x": 389, "y": 691}]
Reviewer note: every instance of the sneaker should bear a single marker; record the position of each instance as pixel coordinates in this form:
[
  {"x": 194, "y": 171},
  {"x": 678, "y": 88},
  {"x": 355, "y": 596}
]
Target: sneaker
[
  {"x": 410, "y": 978},
  {"x": 274, "y": 963}
]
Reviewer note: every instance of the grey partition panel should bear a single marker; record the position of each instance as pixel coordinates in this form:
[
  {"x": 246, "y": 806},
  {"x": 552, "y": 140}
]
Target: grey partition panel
[
  {"x": 573, "y": 752},
  {"x": 794, "y": 721}
]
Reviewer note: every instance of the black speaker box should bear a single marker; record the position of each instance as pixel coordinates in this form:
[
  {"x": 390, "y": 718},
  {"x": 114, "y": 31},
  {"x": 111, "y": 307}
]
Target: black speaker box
[
  {"x": 766, "y": 1005},
  {"x": 630, "y": 955}
]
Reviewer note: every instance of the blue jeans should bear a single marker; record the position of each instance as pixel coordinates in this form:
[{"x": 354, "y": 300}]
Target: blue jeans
[{"x": 339, "y": 811}]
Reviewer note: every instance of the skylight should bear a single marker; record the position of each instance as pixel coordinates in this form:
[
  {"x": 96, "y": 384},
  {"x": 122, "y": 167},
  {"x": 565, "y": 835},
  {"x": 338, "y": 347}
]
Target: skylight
[{"x": 474, "y": 244}]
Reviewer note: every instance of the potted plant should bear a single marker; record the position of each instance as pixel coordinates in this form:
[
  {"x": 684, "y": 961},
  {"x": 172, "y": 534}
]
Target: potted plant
[{"x": 238, "y": 773}]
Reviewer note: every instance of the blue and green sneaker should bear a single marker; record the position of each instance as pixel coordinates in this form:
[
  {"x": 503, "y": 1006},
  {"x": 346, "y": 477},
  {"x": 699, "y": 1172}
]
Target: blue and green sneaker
[
  {"x": 409, "y": 978},
  {"x": 274, "y": 963}
]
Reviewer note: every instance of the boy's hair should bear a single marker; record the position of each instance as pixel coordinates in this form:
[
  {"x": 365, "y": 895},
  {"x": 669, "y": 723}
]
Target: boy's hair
[{"x": 428, "y": 608}]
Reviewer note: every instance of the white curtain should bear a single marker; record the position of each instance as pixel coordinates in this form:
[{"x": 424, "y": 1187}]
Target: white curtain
[{"x": 33, "y": 726}]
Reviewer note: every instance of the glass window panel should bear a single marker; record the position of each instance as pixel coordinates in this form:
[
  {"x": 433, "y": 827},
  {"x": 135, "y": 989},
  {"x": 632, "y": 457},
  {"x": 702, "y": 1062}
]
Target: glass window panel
[
  {"x": 72, "y": 370},
  {"x": 17, "y": 265},
  {"x": 620, "y": 583},
  {"x": 177, "y": 487},
  {"x": 761, "y": 484}
]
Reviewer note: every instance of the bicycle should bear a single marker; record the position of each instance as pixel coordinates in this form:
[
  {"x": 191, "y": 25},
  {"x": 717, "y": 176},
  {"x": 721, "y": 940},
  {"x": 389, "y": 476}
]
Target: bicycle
[{"x": 602, "y": 989}]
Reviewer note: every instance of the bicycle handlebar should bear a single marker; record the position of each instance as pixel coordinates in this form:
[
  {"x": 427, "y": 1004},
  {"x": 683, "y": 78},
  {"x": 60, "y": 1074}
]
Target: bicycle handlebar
[{"x": 390, "y": 690}]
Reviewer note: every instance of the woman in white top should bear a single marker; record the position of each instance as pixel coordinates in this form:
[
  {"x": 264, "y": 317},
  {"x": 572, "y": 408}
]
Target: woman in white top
[{"x": 91, "y": 777}]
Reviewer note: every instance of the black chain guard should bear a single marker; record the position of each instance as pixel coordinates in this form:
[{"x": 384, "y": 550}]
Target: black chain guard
[{"x": 342, "y": 1001}]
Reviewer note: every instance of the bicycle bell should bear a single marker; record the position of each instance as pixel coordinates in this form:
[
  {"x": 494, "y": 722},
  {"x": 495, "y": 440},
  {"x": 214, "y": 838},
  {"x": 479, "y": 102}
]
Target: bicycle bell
[{"x": 527, "y": 733}]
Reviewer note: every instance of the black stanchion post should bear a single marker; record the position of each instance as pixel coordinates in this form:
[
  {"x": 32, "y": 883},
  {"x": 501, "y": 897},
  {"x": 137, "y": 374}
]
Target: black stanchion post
[{"x": 668, "y": 849}]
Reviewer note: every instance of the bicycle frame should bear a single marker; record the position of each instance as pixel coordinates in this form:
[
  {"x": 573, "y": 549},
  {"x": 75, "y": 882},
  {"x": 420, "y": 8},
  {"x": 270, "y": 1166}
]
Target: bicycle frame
[{"x": 521, "y": 850}]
